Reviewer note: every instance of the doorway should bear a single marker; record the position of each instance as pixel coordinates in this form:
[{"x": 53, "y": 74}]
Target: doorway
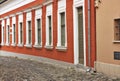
[{"x": 80, "y": 35}]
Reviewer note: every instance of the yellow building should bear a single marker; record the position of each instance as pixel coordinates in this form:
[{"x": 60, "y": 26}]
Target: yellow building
[{"x": 108, "y": 37}]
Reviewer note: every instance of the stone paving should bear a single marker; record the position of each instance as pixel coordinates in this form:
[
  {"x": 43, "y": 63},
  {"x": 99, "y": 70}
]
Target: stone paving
[{"x": 15, "y": 69}]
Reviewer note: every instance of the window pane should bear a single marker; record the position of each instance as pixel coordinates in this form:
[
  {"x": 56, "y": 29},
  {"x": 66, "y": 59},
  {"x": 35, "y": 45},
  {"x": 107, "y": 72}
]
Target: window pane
[
  {"x": 50, "y": 30},
  {"x": 63, "y": 18},
  {"x": 62, "y": 29},
  {"x": 117, "y": 29},
  {"x": 20, "y": 33},
  {"x": 29, "y": 32},
  {"x": 39, "y": 30},
  {"x": 3, "y": 34},
  {"x": 14, "y": 32},
  {"x": 8, "y": 34}
]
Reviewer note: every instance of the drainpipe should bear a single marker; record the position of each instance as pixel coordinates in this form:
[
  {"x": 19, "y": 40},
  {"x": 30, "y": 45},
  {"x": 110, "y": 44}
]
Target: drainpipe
[{"x": 89, "y": 27}]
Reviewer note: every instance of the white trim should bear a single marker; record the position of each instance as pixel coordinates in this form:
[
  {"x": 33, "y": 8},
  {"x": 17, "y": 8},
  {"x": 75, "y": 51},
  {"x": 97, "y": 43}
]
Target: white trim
[
  {"x": 61, "y": 48},
  {"x": 37, "y": 46},
  {"x": 13, "y": 4},
  {"x": 20, "y": 45},
  {"x": 37, "y": 7},
  {"x": 19, "y": 13},
  {"x": 28, "y": 45},
  {"x": 28, "y": 10},
  {"x": 116, "y": 41},
  {"x": 3, "y": 32},
  {"x": 20, "y": 20},
  {"x": 13, "y": 22},
  {"x": 28, "y": 18},
  {"x": 49, "y": 13},
  {"x": 48, "y": 2},
  {"x": 38, "y": 15},
  {"x": 61, "y": 9},
  {"x": 49, "y": 47},
  {"x": 7, "y": 24},
  {"x": 76, "y": 52}
]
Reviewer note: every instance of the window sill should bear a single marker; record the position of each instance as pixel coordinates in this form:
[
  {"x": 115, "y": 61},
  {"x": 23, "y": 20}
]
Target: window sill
[
  {"x": 61, "y": 48},
  {"x": 116, "y": 41},
  {"x": 2, "y": 44},
  {"x": 28, "y": 45},
  {"x": 49, "y": 47},
  {"x": 7, "y": 44},
  {"x": 37, "y": 46},
  {"x": 13, "y": 44},
  {"x": 20, "y": 45}
]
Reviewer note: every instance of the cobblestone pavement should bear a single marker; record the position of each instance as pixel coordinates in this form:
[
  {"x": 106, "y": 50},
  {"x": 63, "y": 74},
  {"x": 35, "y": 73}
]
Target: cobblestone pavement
[{"x": 14, "y": 69}]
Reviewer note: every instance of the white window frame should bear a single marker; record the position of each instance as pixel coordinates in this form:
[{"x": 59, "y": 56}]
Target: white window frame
[
  {"x": 61, "y": 9},
  {"x": 49, "y": 13},
  {"x": 3, "y": 33},
  {"x": 28, "y": 18},
  {"x": 7, "y": 24},
  {"x": 20, "y": 20},
  {"x": 76, "y": 4},
  {"x": 38, "y": 15},
  {"x": 13, "y": 22}
]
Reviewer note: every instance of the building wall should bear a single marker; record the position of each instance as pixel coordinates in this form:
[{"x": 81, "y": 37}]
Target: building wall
[
  {"x": 106, "y": 12},
  {"x": 67, "y": 55}
]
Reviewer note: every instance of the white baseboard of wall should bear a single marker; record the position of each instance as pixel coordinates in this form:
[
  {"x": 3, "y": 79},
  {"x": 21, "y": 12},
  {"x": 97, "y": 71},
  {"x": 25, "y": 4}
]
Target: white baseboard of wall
[{"x": 109, "y": 69}]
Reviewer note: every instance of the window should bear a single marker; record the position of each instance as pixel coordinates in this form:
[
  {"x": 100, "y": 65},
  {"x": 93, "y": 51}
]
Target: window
[
  {"x": 38, "y": 28},
  {"x": 117, "y": 30},
  {"x": 29, "y": 33},
  {"x": 20, "y": 30},
  {"x": 39, "y": 31},
  {"x": 50, "y": 30},
  {"x": 28, "y": 29},
  {"x": 2, "y": 33},
  {"x": 21, "y": 33},
  {"x": 8, "y": 35},
  {"x": 62, "y": 32},
  {"x": 14, "y": 33},
  {"x": 62, "y": 29}
]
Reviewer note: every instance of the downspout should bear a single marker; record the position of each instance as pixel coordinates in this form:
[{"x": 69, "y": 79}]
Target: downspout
[{"x": 89, "y": 28}]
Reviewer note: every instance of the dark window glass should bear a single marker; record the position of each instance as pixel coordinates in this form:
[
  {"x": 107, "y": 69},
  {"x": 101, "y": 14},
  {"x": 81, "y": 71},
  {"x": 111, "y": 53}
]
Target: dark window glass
[
  {"x": 63, "y": 29},
  {"x": 29, "y": 32},
  {"x": 39, "y": 30},
  {"x": 14, "y": 32},
  {"x": 21, "y": 33},
  {"x": 117, "y": 29},
  {"x": 50, "y": 30}
]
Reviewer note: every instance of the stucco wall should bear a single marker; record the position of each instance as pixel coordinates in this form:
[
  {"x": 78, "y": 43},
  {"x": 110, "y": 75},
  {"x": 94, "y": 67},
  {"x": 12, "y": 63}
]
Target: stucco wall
[
  {"x": 107, "y": 11},
  {"x": 67, "y": 55}
]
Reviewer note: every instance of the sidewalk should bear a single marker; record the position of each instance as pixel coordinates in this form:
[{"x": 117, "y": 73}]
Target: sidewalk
[{"x": 14, "y": 69}]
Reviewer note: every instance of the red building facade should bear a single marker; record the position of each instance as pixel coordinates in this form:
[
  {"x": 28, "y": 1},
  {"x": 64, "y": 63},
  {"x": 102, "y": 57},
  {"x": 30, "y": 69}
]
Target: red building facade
[{"x": 64, "y": 45}]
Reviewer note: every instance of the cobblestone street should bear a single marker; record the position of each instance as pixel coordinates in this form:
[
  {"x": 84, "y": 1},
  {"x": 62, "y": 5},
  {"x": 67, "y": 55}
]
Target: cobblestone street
[{"x": 14, "y": 69}]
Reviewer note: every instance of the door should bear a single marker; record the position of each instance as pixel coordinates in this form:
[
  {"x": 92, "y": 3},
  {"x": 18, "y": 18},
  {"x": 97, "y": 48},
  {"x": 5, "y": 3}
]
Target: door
[{"x": 80, "y": 35}]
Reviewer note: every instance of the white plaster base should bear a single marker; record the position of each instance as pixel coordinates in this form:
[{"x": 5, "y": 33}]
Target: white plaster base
[{"x": 109, "y": 69}]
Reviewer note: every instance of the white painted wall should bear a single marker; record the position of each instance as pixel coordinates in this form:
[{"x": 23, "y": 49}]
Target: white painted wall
[{"x": 12, "y": 4}]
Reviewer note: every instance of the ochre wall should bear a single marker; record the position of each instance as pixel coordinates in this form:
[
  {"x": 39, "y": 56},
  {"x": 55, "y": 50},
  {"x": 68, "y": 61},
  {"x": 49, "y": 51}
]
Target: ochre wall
[{"x": 105, "y": 15}]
